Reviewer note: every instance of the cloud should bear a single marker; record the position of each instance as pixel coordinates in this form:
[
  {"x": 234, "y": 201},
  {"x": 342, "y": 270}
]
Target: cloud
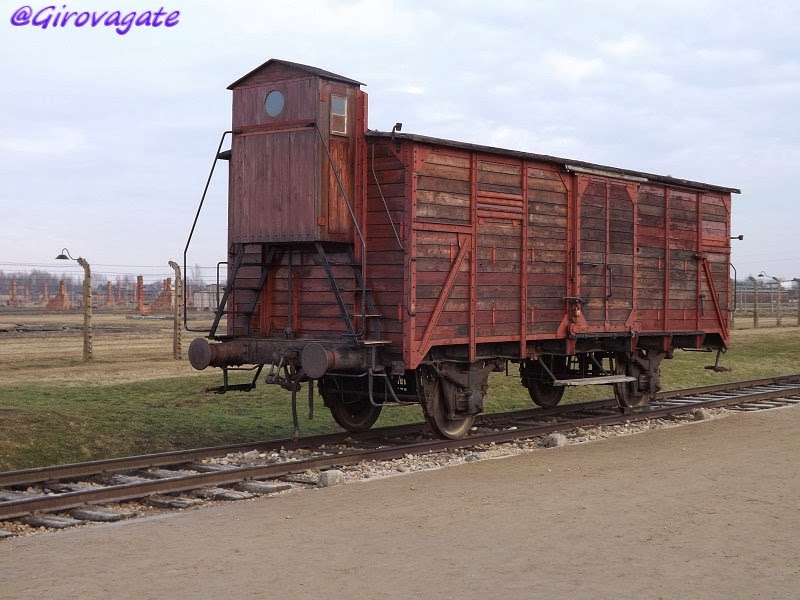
[
  {"x": 125, "y": 127},
  {"x": 570, "y": 69},
  {"x": 626, "y": 47},
  {"x": 372, "y": 19},
  {"x": 48, "y": 140},
  {"x": 410, "y": 88}
]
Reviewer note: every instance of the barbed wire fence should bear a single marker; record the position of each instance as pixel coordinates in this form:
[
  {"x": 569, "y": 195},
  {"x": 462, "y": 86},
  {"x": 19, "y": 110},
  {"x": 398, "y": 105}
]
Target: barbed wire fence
[
  {"x": 154, "y": 291},
  {"x": 771, "y": 304},
  {"x": 39, "y": 293},
  {"x": 114, "y": 287}
]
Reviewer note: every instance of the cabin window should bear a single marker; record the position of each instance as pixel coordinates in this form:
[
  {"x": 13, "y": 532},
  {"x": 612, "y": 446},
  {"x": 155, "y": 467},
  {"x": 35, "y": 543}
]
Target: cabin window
[
  {"x": 274, "y": 103},
  {"x": 338, "y": 114}
]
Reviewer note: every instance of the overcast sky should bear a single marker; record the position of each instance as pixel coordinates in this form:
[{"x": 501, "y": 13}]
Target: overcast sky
[{"x": 107, "y": 139}]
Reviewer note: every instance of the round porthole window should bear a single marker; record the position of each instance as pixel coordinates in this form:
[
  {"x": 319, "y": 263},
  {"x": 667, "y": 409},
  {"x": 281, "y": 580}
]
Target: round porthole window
[{"x": 274, "y": 103}]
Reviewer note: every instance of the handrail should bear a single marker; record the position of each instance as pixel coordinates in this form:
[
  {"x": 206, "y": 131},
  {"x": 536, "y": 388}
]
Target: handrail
[
  {"x": 341, "y": 185},
  {"x": 386, "y": 206},
  {"x": 723, "y": 324},
  {"x": 226, "y": 292},
  {"x": 219, "y": 264},
  {"x": 191, "y": 233},
  {"x": 357, "y": 229}
]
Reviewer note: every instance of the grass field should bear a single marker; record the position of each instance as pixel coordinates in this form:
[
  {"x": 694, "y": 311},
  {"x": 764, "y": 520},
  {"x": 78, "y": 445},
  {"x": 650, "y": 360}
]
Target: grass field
[{"x": 135, "y": 398}]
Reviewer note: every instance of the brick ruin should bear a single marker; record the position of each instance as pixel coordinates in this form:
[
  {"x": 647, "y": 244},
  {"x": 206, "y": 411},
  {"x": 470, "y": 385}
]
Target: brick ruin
[
  {"x": 114, "y": 296},
  {"x": 163, "y": 303},
  {"x": 60, "y": 301},
  {"x": 14, "y": 299},
  {"x": 110, "y": 300}
]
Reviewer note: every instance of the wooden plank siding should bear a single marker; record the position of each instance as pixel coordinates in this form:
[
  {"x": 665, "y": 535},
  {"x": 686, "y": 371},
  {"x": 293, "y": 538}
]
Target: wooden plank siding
[
  {"x": 606, "y": 258},
  {"x": 292, "y": 177},
  {"x": 467, "y": 251},
  {"x": 386, "y": 229},
  {"x": 498, "y": 245},
  {"x": 299, "y": 299},
  {"x": 465, "y": 247},
  {"x": 274, "y": 170},
  {"x": 547, "y": 256}
]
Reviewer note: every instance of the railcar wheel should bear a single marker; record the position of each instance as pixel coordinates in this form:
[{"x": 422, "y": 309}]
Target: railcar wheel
[
  {"x": 537, "y": 381},
  {"x": 629, "y": 394},
  {"x": 544, "y": 394},
  {"x": 628, "y": 397},
  {"x": 435, "y": 407},
  {"x": 349, "y": 409},
  {"x": 355, "y": 416}
]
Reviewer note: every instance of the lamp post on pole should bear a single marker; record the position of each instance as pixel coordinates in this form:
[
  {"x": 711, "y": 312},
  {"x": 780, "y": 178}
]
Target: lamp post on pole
[
  {"x": 87, "y": 301},
  {"x": 755, "y": 300}
]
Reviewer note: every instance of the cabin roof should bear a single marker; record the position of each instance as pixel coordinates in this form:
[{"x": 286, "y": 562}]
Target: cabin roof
[
  {"x": 569, "y": 164},
  {"x": 299, "y": 67}
]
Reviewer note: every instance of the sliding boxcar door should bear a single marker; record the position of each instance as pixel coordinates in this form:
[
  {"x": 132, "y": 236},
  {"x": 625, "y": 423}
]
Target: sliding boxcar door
[{"x": 606, "y": 258}]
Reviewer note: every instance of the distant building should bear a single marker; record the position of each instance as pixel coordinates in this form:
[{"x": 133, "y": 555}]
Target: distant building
[{"x": 207, "y": 298}]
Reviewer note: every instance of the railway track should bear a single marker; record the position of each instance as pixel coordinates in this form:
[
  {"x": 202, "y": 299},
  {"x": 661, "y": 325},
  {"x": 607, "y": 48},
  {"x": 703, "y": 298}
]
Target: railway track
[{"x": 36, "y": 495}]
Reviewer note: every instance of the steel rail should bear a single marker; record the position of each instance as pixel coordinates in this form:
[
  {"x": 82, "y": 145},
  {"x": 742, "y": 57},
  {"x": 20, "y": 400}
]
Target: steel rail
[
  {"x": 180, "y": 457},
  {"x": 670, "y": 404},
  {"x": 38, "y": 475},
  {"x": 162, "y": 459}
]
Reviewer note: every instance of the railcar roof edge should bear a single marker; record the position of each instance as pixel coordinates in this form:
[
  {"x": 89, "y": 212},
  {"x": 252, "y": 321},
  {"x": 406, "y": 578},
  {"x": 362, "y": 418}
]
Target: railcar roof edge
[
  {"x": 555, "y": 159},
  {"x": 307, "y": 68}
]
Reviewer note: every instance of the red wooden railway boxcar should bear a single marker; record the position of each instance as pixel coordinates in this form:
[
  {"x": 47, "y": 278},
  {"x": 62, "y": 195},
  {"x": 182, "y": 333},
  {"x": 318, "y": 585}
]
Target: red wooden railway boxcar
[{"x": 391, "y": 267}]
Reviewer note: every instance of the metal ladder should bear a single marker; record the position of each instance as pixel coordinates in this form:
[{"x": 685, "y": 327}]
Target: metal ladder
[
  {"x": 364, "y": 309},
  {"x": 267, "y": 257}
]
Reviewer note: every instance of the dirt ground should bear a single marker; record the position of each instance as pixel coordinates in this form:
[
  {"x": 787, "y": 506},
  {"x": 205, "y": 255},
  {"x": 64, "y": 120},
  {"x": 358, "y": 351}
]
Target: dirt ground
[{"x": 708, "y": 510}]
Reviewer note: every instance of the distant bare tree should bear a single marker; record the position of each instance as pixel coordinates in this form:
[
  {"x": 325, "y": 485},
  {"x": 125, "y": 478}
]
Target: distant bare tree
[{"x": 197, "y": 276}]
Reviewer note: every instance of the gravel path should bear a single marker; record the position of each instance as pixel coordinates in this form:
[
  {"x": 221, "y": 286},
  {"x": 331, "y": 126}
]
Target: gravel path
[{"x": 707, "y": 510}]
